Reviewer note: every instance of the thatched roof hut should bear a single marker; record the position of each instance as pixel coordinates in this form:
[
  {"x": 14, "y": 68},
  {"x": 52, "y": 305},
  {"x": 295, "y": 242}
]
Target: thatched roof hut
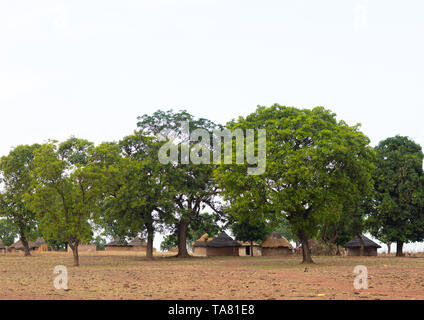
[
  {"x": 223, "y": 245},
  {"x": 199, "y": 246},
  {"x": 137, "y": 242},
  {"x": 354, "y": 246},
  {"x": 117, "y": 245},
  {"x": 42, "y": 245},
  {"x": 247, "y": 248},
  {"x": 276, "y": 245},
  {"x": 19, "y": 246}
]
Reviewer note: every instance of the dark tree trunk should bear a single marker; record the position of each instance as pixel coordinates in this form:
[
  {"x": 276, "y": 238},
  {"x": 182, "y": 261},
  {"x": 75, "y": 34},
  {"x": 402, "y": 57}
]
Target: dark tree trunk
[
  {"x": 338, "y": 250},
  {"x": 389, "y": 249},
  {"x": 362, "y": 249},
  {"x": 26, "y": 246},
  {"x": 150, "y": 237},
  {"x": 182, "y": 240},
  {"x": 306, "y": 251},
  {"x": 74, "y": 248},
  {"x": 251, "y": 248},
  {"x": 399, "y": 248}
]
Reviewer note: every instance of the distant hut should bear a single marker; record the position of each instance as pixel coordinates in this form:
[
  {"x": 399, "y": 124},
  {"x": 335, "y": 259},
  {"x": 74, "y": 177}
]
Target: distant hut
[
  {"x": 353, "y": 247},
  {"x": 137, "y": 244},
  {"x": 199, "y": 246},
  {"x": 42, "y": 246},
  {"x": 247, "y": 247},
  {"x": 2, "y": 247},
  {"x": 117, "y": 245},
  {"x": 18, "y": 246},
  {"x": 223, "y": 245},
  {"x": 276, "y": 245}
]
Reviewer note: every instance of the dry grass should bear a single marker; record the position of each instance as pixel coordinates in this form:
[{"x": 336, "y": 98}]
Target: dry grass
[{"x": 128, "y": 275}]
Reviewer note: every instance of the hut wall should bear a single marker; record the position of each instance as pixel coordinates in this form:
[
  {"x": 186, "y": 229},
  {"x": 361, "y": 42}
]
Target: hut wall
[
  {"x": 43, "y": 248},
  {"x": 199, "y": 251},
  {"x": 118, "y": 248},
  {"x": 139, "y": 248},
  {"x": 280, "y": 251},
  {"x": 256, "y": 251},
  {"x": 84, "y": 248},
  {"x": 224, "y": 251},
  {"x": 354, "y": 252}
]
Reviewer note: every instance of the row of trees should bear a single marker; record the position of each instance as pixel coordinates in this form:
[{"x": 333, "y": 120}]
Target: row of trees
[{"x": 322, "y": 179}]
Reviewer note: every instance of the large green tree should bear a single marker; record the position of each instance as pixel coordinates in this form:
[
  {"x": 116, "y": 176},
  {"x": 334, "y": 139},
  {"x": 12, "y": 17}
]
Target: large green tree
[
  {"x": 137, "y": 195},
  {"x": 314, "y": 165},
  {"x": 250, "y": 231},
  {"x": 15, "y": 171},
  {"x": 193, "y": 184},
  {"x": 65, "y": 191},
  {"x": 397, "y": 214}
]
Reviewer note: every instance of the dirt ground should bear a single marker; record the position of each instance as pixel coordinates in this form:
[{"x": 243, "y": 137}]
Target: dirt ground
[{"x": 129, "y": 276}]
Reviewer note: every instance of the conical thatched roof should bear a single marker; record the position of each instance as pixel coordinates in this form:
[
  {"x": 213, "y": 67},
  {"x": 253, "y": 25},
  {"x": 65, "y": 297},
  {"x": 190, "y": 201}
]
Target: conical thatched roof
[
  {"x": 19, "y": 246},
  {"x": 202, "y": 241},
  {"x": 2, "y": 245},
  {"x": 137, "y": 242},
  {"x": 355, "y": 243},
  {"x": 275, "y": 240},
  {"x": 116, "y": 243},
  {"x": 39, "y": 242},
  {"x": 223, "y": 240}
]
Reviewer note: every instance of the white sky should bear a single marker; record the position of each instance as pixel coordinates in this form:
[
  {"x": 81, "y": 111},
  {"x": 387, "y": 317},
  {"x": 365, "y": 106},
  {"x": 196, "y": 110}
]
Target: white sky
[{"x": 89, "y": 68}]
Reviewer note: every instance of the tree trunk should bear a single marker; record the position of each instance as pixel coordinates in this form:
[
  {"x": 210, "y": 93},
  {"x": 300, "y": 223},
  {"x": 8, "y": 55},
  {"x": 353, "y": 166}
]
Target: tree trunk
[
  {"x": 399, "y": 248},
  {"x": 150, "y": 237},
  {"x": 26, "y": 246},
  {"x": 182, "y": 240},
  {"x": 361, "y": 250},
  {"x": 74, "y": 248},
  {"x": 306, "y": 252},
  {"x": 338, "y": 250},
  {"x": 251, "y": 248},
  {"x": 389, "y": 244}
]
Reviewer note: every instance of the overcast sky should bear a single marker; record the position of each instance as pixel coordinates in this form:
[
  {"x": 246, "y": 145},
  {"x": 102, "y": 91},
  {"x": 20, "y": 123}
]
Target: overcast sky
[{"x": 89, "y": 68}]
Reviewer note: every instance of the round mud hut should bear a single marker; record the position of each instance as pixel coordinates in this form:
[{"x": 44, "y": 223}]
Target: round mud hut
[
  {"x": 137, "y": 244},
  {"x": 223, "y": 245},
  {"x": 117, "y": 245},
  {"x": 42, "y": 246},
  {"x": 353, "y": 247},
  {"x": 250, "y": 249},
  {"x": 276, "y": 245},
  {"x": 18, "y": 246},
  {"x": 199, "y": 246}
]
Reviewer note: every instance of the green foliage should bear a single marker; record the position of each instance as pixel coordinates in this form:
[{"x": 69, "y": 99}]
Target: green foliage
[
  {"x": 245, "y": 230},
  {"x": 8, "y": 232},
  {"x": 203, "y": 223},
  {"x": 316, "y": 166},
  {"x": 15, "y": 170},
  {"x": 397, "y": 214},
  {"x": 66, "y": 187}
]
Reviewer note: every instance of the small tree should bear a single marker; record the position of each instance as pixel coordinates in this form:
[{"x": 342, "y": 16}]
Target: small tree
[
  {"x": 66, "y": 193},
  {"x": 250, "y": 231},
  {"x": 15, "y": 170}
]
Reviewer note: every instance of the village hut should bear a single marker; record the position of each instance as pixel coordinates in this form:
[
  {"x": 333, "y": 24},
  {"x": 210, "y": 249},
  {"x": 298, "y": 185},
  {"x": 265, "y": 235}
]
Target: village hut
[
  {"x": 199, "y": 246},
  {"x": 42, "y": 246},
  {"x": 117, "y": 245},
  {"x": 18, "y": 246},
  {"x": 85, "y": 247},
  {"x": 223, "y": 245},
  {"x": 276, "y": 245},
  {"x": 2, "y": 247},
  {"x": 138, "y": 244},
  {"x": 247, "y": 247},
  {"x": 353, "y": 247}
]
